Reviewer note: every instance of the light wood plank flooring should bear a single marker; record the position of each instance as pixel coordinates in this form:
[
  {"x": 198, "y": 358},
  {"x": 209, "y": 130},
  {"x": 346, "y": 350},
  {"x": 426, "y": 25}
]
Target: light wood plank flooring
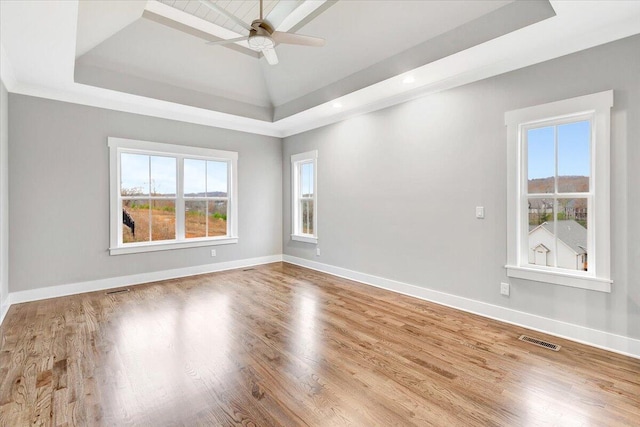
[{"x": 286, "y": 346}]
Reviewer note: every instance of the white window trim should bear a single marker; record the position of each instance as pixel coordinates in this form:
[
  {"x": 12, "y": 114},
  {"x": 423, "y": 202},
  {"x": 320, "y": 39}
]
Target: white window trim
[
  {"x": 119, "y": 145},
  {"x": 598, "y": 278},
  {"x": 296, "y": 161}
]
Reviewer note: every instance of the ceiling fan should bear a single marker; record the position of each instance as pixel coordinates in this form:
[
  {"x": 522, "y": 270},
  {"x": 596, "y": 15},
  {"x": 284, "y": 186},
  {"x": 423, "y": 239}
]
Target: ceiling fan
[{"x": 262, "y": 36}]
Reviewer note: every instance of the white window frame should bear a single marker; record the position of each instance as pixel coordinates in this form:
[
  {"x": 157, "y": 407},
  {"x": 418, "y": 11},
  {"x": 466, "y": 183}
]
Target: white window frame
[
  {"x": 179, "y": 152},
  {"x": 596, "y": 108},
  {"x": 297, "y": 160}
]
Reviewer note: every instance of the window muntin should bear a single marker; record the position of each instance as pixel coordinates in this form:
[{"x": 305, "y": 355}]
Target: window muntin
[
  {"x": 558, "y": 182},
  {"x": 170, "y": 196},
  {"x": 304, "y": 203}
]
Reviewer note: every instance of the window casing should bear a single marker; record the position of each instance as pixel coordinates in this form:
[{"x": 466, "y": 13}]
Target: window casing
[
  {"x": 304, "y": 204},
  {"x": 558, "y": 213},
  {"x": 166, "y": 196}
]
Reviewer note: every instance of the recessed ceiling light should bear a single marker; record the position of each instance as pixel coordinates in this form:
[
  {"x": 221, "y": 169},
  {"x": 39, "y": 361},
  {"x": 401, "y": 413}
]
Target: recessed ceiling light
[
  {"x": 337, "y": 105},
  {"x": 408, "y": 80}
]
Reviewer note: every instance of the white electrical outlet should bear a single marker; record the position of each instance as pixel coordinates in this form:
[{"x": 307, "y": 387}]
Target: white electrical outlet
[
  {"x": 480, "y": 212},
  {"x": 317, "y": 251},
  {"x": 504, "y": 289},
  {"x": 213, "y": 252}
]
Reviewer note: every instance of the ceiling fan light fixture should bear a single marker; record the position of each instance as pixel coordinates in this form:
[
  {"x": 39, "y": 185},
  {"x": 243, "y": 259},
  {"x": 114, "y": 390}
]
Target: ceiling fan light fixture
[{"x": 260, "y": 42}]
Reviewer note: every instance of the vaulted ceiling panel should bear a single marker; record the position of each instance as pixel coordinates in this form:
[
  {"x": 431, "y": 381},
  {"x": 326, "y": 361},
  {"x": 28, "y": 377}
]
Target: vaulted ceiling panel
[
  {"x": 375, "y": 31},
  {"x": 246, "y": 10},
  {"x": 146, "y": 49}
]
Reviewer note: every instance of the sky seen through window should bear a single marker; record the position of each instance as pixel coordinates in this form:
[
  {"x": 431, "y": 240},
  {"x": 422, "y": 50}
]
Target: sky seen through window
[{"x": 573, "y": 150}]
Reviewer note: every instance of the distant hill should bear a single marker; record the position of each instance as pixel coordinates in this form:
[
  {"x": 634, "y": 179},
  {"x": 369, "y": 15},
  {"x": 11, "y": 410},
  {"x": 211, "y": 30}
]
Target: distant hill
[
  {"x": 210, "y": 194},
  {"x": 566, "y": 184}
]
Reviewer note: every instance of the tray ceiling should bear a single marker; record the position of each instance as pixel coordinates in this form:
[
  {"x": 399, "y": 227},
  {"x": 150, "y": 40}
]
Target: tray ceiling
[
  {"x": 150, "y": 57},
  {"x": 163, "y": 54}
]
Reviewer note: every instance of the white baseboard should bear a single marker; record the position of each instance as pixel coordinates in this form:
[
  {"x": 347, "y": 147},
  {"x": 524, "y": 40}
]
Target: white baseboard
[
  {"x": 607, "y": 341},
  {"x": 604, "y": 340},
  {"x": 4, "y": 308},
  {"x": 136, "y": 279}
]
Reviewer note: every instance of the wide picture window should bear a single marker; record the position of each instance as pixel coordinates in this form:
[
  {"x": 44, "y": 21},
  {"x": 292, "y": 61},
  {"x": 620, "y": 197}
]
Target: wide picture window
[{"x": 167, "y": 196}]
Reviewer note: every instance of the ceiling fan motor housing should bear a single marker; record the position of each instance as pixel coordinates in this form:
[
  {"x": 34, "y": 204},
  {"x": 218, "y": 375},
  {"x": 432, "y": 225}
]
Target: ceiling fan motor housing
[
  {"x": 263, "y": 25},
  {"x": 260, "y": 35}
]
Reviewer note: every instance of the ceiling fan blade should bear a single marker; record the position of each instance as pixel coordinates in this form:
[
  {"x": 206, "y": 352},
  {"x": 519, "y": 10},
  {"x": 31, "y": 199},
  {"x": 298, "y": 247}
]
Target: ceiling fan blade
[
  {"x": 237, "y": 39},
  {"x": 271, "y": 56},
  {"x": 221, "y": 11},
  {"x": 291, "y": 38}
]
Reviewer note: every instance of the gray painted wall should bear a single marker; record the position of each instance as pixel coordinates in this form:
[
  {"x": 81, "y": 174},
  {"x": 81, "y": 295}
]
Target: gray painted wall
[
  {"x": 397, "y": 189},
  {"x": 4, "y": 196},
  {"x": 59, "y": 192}
]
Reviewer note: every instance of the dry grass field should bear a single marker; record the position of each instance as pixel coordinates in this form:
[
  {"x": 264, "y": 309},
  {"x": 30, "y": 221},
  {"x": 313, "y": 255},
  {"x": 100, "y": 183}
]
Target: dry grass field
[{"x": 163, "y": 224}]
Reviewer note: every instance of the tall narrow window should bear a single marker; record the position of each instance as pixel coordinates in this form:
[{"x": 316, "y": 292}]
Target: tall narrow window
[
  {"x": 148, "y": 195},
  {"x": 559, "y": 192},
  {"x": 304, "y": 199},
  {"x": 170, "y": 196}
]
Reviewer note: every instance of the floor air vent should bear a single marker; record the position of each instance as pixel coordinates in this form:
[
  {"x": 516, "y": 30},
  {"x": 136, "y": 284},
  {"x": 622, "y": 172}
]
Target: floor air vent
[
  {"x": 118, "y": 291},
  {"x": 540, "y": 343}
]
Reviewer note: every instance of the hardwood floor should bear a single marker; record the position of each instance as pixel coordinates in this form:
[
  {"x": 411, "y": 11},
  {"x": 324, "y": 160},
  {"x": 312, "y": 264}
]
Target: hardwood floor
[{"x": 283, "y": 345}]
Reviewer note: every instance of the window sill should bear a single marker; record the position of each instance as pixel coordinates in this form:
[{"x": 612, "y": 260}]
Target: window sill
[
  {"x": 165, "y": 246},
  {"x": 560, "y": 278},
  {"x": 306, "y": 239}
]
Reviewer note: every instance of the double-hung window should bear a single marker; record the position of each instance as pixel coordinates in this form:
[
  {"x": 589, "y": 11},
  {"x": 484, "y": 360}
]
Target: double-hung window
[
  {"x": 166, "y": 196},
  {"x": 304, "y": 197},
  {"x": 558, "y": 190}
]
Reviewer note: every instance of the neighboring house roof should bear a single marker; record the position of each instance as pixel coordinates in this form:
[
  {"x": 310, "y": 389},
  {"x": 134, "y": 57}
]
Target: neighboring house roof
[{"x": 570, "y": 233}]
